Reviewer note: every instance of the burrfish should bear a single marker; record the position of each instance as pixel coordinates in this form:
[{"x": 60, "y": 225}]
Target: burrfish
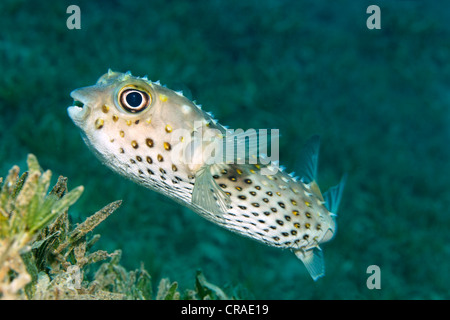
[{"x": 161, "y": 140}]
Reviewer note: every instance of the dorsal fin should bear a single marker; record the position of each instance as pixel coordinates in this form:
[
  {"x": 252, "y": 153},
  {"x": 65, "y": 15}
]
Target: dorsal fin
[
  {"x": 308, "y": 159},
  {"x": 333, "y": 196},
  {"x": 314, "y": 187}
]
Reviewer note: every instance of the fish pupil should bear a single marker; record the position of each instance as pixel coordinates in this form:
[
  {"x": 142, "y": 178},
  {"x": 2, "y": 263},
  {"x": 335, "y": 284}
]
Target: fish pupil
[{"x": 134, "y": 99}]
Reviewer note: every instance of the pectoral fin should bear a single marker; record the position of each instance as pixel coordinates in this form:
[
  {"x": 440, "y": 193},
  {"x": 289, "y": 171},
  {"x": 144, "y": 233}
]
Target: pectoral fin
[{"x": 207, "y": 194}]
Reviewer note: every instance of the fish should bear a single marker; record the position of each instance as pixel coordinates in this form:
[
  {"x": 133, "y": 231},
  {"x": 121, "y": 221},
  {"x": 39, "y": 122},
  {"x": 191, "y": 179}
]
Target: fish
[{"x": 163, "y": 141}]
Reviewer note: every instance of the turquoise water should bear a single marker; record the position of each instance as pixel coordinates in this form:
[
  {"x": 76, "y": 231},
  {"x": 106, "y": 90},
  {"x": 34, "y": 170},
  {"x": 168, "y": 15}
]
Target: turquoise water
[{"x": 378, "y": 99}]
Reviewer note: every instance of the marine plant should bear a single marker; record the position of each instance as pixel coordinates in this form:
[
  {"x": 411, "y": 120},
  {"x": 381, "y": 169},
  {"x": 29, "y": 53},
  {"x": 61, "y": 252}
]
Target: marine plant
[{"x": 42, "y": 256}]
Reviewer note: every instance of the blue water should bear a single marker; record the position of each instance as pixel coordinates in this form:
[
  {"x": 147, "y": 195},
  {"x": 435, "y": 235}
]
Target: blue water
[{"x": 378, "y": 98}]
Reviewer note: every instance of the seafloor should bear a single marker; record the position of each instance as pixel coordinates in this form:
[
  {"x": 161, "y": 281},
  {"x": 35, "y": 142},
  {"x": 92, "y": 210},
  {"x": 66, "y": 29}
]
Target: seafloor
[{"x": 378, "y": 98}]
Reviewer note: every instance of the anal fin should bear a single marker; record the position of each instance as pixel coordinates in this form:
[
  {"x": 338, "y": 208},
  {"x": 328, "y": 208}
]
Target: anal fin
[{"x": 313, "y": 261}]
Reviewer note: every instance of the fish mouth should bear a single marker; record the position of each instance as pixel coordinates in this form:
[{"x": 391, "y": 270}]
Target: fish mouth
[{"x": 80, "y": 109}]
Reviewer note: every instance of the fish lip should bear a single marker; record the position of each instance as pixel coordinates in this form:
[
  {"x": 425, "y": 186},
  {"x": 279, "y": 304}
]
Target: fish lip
[{"x": 80, "y": 109}]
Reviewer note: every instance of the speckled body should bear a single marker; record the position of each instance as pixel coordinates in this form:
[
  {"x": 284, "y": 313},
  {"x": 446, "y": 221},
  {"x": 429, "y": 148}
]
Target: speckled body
[
  {"x": 274, "y": 209},
  {"x": 144, "y": 145}
]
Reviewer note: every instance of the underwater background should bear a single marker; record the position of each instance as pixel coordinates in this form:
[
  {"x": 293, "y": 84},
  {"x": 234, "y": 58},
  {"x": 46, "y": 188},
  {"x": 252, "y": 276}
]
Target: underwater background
[{"x": 379, "y": 99}]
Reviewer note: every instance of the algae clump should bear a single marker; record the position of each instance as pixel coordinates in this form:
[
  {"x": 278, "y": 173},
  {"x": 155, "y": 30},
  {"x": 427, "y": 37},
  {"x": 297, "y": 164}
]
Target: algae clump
[{"x": 43, "y": 257}]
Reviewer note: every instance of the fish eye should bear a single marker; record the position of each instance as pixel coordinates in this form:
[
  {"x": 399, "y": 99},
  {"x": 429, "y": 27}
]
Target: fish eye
[{"x": 134, "y": 100}]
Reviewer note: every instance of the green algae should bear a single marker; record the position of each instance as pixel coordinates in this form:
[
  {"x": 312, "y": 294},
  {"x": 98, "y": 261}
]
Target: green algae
[{"x": 43, "y": 256}]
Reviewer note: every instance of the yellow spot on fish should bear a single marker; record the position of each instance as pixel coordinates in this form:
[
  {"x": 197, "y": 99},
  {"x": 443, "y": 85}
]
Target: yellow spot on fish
[
  {"x": 160, "y": 158},
  {"x": 163, "y": 97},
  {"x": 121, "y": 133},
  {"x": 278, "y": 193},
  {"x": 168, "y": 128},
  {"x": 238, "y": 171},
  {"x": 307, "y": 204},
  {"x": 174, "y": 168},
  {"x": 294, "y": 202},
  {"x": 115, "y": 118},
  {"x": 307, "y": 225},
  {"x": 167, "y": 146},
  {"x": 252, "y": 171},
  {"x": 105, "y": 108},
  {"x": 295, "y": 212},
  {"x": 149, "y": 120},
  {"x": 134, "y": 144},
  {"x": 99, "y": 123},
  {"x": 129, "y": 122},
  {"x": 297, "y": 225}
]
